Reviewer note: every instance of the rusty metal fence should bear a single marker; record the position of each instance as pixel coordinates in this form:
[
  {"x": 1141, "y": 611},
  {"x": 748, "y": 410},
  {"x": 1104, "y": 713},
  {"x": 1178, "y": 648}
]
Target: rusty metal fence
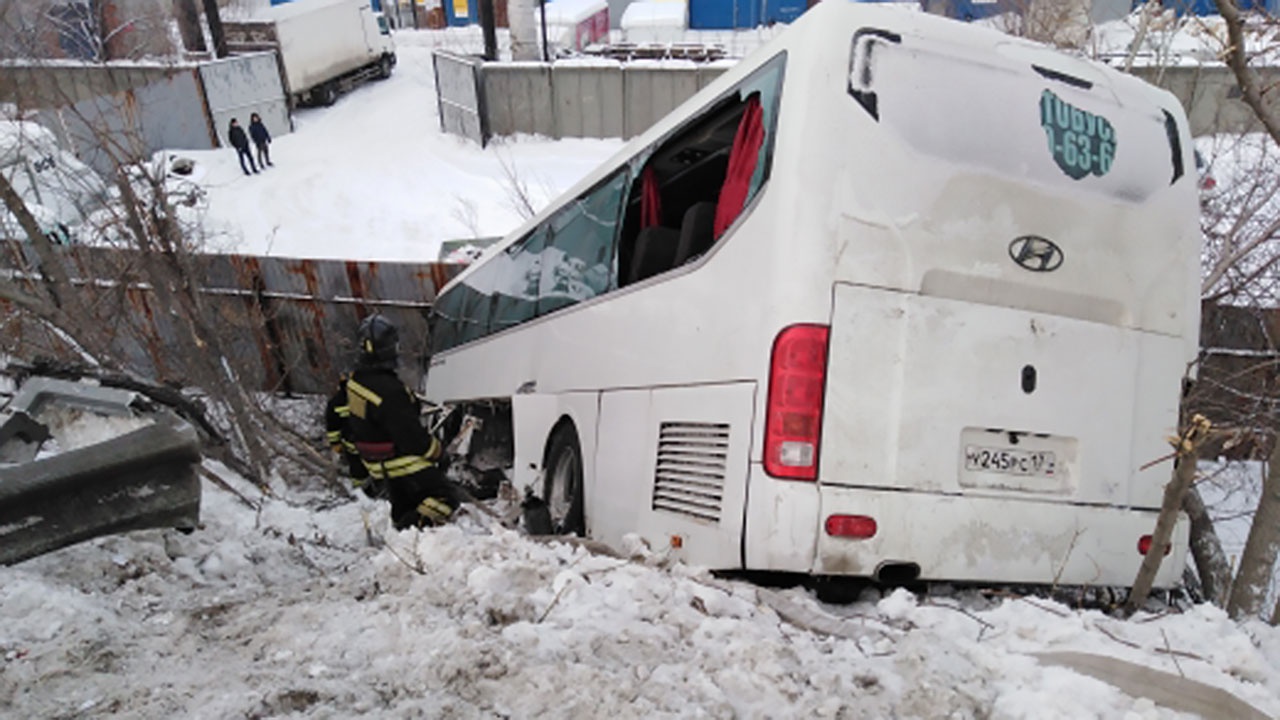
[{"x": 289, "y": 323}]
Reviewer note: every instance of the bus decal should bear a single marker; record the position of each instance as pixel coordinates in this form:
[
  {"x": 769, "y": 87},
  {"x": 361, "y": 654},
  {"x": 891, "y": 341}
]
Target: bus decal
[{"x": 1081, "y": 143}]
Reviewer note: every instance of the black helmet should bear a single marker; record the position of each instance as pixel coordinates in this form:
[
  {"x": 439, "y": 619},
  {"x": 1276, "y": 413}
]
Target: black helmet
[{"x": 379, "y": 340}]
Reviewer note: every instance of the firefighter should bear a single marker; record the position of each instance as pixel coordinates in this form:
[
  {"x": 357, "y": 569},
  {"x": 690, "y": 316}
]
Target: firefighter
[
  {"x": 335, "y": 424},
  {"x": 382, "y": 425}
]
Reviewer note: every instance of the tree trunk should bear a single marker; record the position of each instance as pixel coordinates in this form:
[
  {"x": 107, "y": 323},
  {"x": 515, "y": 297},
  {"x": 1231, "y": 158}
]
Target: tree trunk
[
  {"x": 1184, "y": 472},
  {"x": 102, "y": 15},
  {"x": 1253, "y": 580},
  {"x": 1236, "y": 59},
  {"x": 214, "y": 18},
  {"x": 1212, "y": 567},
  {"x": 489, "y": 30},
  {"x": 188, "y": 16},
  {"x": 524, "y": 30}
]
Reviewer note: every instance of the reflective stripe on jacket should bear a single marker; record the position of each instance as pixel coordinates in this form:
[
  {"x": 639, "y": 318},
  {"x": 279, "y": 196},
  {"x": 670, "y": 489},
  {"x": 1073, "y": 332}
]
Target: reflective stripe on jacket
[
  {"x": 385, "y": 426},
  {"x": 399, "y": 466}
]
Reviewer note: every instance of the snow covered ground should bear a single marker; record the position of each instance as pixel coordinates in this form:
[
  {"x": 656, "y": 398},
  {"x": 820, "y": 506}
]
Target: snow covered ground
[
  {"x": 291, "y": 611},
  {"x": 303, "y": 607},
  {"x": 373, "y": 178}
]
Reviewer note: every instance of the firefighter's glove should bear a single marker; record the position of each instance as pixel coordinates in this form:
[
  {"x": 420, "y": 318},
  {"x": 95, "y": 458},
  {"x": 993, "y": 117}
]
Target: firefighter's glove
[{"x": 435, "y": 511}]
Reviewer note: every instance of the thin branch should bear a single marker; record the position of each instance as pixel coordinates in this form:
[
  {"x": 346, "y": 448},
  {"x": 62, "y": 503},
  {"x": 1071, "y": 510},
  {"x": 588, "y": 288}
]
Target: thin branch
[
  {"x": 212, "y": 477},
  {"x": 1239, "y": 64},
  {"x": 1129, "y": 643},
  {"x": 1169, "y": 649}
]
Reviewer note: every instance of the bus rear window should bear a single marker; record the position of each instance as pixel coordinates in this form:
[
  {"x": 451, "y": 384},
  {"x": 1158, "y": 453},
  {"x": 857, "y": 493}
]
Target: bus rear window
[{"x": 1012, "y": 116}]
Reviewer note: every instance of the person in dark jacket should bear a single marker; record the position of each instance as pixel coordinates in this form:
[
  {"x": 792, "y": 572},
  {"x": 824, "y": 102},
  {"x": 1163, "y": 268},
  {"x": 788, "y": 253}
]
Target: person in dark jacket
[
  {"x": 240, "y": 142},
  {"x": 338, "y": 436},
  {"x": 261, "y": 139},
  {"x": 382, "y": 423}
]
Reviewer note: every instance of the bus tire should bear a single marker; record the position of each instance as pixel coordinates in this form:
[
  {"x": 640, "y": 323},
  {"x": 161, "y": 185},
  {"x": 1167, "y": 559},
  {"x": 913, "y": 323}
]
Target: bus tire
[
  {"x": 562, "y": 486},
  {"x": 384, "y": 67}
]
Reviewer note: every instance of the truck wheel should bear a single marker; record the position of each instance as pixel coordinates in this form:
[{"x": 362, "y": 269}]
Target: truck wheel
[
  {"x": 563, "y": 483},
  {"x": 325, "y": 95},
  {"x": 384, "y": 68}
]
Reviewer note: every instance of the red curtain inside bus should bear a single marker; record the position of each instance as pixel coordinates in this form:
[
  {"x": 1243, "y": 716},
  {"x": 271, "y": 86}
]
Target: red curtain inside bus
[
  {"x": 742, "y": 165},
  {"x": 650, "y": 199}
]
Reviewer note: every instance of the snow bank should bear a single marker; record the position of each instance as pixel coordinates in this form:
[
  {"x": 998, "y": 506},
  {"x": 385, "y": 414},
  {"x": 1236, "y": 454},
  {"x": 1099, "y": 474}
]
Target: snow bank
[{"x": 290, "y": 609}]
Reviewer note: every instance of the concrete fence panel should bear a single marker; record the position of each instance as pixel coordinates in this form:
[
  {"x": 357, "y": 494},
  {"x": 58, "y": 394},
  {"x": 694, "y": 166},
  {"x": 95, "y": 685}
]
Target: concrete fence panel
[
  {"x": 1211, "y": 96},
  {"x": 649, "y": 93},
  {"x": 580, "y": 100},
  {"x": 588, "y": 101},
  {"x": 519, "y": 99},
  {"x": 708, "y": 73}
]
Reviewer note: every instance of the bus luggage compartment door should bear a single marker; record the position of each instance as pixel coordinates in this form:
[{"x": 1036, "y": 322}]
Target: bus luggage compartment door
[
  {"x": 672, "y": 467},
  {"x": 939, "y": 395}
]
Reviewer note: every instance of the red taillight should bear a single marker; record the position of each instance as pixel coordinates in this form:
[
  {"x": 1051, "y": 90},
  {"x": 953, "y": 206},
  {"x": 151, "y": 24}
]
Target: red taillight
[
  {"x": 793, "y": 419},
  {"x": 1144, "y": 545},
  {"x": 851, "y": 526}
]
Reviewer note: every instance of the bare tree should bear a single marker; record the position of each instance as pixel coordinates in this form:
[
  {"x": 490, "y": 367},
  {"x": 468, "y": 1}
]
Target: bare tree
[
  {"x": 1241, "y": 270},
  {"x": 1256, "y": 259},
  {"x": 77, "y": 303},
  {"x": 89, "y": 30},
  {"x": 1240, "y": 261}
]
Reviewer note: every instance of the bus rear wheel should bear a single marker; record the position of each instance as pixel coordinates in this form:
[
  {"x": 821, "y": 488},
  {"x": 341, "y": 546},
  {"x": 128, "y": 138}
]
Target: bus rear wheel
[{"x": 562, "y": 488}]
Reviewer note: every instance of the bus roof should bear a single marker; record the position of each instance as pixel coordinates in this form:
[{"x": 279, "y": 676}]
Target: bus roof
[{"x": 828, "y": 27}]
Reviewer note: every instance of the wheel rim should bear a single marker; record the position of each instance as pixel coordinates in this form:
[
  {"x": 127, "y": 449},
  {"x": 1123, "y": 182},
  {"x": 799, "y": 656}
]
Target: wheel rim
[{"x": 562, "y": 487}]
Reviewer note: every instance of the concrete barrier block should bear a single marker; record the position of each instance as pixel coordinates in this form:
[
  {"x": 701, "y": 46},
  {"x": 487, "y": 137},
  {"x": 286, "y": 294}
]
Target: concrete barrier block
[
  {"x": 588, "y": 101},
  {"x": 518, "y": 99},
  {"x": 649, "y": 93}
]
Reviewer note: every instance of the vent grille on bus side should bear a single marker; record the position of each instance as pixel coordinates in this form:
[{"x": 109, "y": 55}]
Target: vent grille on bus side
[{"x": 691, "y": 467}]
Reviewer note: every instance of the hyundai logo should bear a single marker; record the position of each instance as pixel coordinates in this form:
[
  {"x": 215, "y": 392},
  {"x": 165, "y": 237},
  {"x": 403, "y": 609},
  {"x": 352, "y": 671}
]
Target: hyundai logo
[{"x": 1035, "y": 253}]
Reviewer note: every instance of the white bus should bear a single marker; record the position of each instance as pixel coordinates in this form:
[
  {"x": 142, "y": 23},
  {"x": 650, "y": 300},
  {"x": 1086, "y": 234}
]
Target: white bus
[{"x": 895, "y": 297}]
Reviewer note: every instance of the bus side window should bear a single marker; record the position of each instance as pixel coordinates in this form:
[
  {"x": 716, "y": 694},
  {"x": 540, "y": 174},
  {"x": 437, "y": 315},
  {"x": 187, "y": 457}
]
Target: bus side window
[
  {"x": 701, "y": 177},
  {"x": 578, "y": 263},
  {"x": 444, "y": 320},
  {"x": 476, "y": 305},
  {"x": 515, "y": 296}
]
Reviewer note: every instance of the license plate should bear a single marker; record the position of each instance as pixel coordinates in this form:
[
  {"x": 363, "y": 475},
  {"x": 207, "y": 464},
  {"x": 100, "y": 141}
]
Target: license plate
[{"x": 1008, "y": 461}]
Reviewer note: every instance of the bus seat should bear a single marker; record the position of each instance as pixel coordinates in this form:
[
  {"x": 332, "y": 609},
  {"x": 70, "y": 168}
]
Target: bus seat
[
  {"x": 655, "y": 252},
  {"x": 696, "y": 231}
]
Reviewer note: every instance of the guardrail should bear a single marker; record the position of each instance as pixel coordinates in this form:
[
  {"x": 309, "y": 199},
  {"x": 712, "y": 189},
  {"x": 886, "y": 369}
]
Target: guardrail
[{"x": 142, "y": 479}]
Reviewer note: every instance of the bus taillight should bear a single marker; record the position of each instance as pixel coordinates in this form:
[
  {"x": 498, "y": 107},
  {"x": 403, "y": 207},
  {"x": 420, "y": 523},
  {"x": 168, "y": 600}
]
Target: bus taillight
[{"x": 793, "y": 419}]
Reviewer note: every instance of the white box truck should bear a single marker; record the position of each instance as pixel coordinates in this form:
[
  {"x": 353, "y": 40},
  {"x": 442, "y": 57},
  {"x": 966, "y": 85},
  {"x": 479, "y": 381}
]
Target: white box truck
[
  {"x": 57, "y": 189},
  {"x": 325, "y": 47}
]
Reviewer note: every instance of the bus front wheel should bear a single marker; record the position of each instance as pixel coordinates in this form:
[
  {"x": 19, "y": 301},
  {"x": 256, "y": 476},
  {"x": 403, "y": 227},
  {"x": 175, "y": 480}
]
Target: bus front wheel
[{"x": 563, "y": 485}]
